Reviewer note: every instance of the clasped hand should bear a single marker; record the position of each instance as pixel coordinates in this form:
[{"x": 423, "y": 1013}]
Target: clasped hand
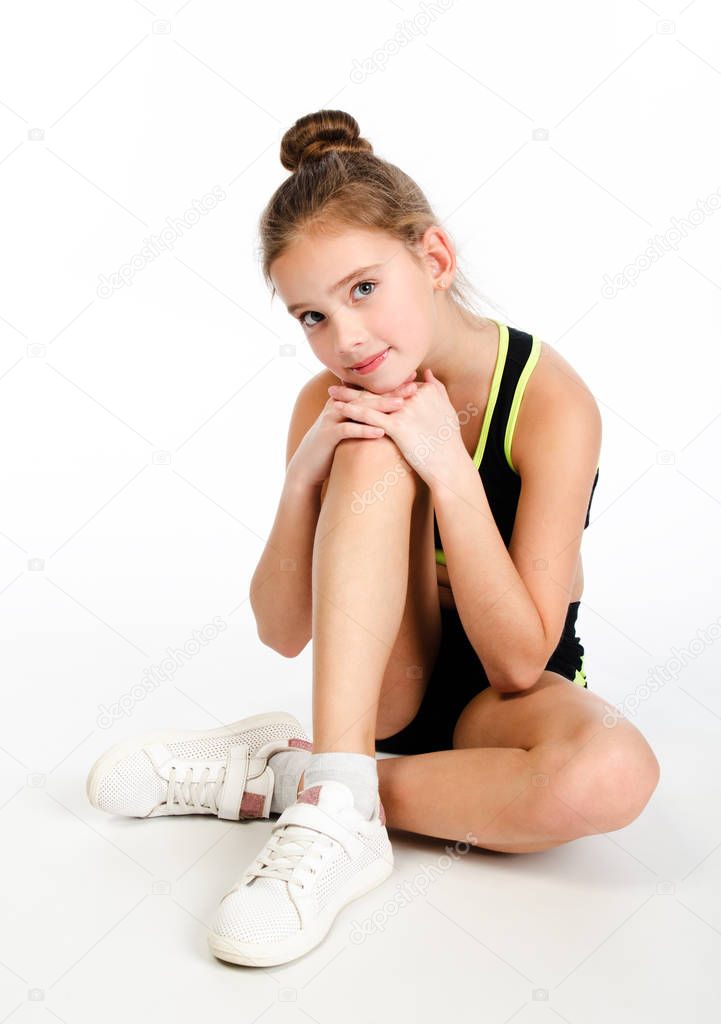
[{"x": 424, "y": 424}]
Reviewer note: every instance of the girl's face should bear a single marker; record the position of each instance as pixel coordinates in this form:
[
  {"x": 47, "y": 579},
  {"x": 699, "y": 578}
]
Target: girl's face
[{"x": 357, "y": 295}]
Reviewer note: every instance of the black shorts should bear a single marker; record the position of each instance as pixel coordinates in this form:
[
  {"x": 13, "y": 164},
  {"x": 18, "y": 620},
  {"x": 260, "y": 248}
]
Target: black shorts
[{"x": 458, "y": 676}]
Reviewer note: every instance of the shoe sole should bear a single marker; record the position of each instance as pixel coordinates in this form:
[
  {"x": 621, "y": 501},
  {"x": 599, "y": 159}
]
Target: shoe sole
[
  {"x": 254, "y": 954},
  {"x": 107, "y": 761}
]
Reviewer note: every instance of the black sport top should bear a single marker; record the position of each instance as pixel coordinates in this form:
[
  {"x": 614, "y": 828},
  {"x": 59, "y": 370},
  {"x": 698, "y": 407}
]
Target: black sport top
[{"x": 518, "y": 354}]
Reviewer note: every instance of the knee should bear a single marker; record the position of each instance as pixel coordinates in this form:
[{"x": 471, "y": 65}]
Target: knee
[
  {"x": 609, "y": 781},
  {"x": 375, "y": 464},
  {"x": 382, "y": 450}
]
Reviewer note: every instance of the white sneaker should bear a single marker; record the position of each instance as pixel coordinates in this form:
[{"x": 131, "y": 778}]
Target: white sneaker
[
  {"x": 222, "y": 771},
  {"x": 321, "y": 855}
]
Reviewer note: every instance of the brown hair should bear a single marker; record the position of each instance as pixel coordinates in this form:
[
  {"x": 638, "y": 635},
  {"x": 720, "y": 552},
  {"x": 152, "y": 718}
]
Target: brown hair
[{"x": 338, "y": 182}]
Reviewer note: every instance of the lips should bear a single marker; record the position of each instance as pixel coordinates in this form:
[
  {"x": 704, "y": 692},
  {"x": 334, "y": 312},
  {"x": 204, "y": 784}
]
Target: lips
[{"x": 365, "y": 362}]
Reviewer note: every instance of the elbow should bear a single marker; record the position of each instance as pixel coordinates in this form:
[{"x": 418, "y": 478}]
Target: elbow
[
  {"x": 506, "y": 679},
  {"x": 287, "y": 647},
  {"x": 506, "y": 684},
  {"x": 282, "y": 646},
  {"x": 289, "y": 651},
  {"x": 523, "y": 672},
  {"x": 514, "y": 680}
]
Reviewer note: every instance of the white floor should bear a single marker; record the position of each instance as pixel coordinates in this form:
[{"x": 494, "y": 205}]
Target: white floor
[
  {"x": 106, "y": 915},
  {"x": 143, "y": 429}
]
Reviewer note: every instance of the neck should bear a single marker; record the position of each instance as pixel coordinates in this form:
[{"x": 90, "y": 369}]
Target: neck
[{"x": 464, "y": 344}]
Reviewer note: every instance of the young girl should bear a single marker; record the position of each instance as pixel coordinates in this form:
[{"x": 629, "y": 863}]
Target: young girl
[{"x": 439, "y": 476}]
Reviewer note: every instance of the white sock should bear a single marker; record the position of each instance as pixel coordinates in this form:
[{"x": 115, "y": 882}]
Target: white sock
[
  {"x": 288, "y": 766},
  {"x": 358, "y": 771}
]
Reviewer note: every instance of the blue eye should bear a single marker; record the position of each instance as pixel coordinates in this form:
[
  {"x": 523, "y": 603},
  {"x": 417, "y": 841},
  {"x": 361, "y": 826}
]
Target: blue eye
[
  {"x": 314, "y": 312},
  {"x": 307, "y": 313},
  {"x": 361, "y": 283}
]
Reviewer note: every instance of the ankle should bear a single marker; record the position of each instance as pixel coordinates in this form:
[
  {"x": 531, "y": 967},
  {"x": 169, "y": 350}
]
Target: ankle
[
  {"x": 286, "y": 765},
  {"x": 359, "y": 772}
]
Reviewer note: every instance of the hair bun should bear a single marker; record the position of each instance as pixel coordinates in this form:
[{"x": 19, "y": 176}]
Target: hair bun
[{"x": 314, "y": 135}]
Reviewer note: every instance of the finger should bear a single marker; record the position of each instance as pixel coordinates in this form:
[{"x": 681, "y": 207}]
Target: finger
[
  {"x": 387, "y": 401},
  {"x": 350, "y": 429},
  {"x": 362, "y": 412},
  {"x": 345, "y": 392}
]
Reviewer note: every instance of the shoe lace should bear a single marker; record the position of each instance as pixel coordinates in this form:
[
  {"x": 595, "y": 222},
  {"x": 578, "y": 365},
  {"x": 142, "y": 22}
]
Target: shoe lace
[
  {"x": 189, "y": 792},
  {"x": 286, "y": 848}
]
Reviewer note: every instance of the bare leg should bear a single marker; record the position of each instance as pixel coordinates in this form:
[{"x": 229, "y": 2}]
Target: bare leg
[
  {"x": 516, "y": 798},
  {"x": 528, "y": 771},
  {"x": 360, "y": 576},
  {"x": 521, "y": 806},
  {"x": 504, "y": 797}
]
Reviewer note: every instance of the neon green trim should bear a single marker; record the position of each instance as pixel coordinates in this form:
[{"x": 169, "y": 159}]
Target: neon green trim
[
  {"x": 493, "y": 394},
  {"x": 580, "y": 677},
  {"x": 492, "y": 398},
  {"x": 517, "y": 398}
]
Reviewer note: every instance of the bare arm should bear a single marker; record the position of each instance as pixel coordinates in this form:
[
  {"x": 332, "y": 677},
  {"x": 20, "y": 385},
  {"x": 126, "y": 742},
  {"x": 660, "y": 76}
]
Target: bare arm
[
  {"x": 280, "y": 590},
  {"x": 281, "y": 593},
  {"x": 513, "y": 601}
]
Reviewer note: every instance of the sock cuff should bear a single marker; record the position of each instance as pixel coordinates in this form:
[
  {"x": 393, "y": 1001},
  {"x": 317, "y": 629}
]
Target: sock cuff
[
  {"x": 340, "y": 759},
  {"x": 357, "y": 771}
]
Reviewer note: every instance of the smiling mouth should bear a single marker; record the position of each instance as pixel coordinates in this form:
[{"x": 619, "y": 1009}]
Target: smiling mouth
[{"x": 359, "y": 366}]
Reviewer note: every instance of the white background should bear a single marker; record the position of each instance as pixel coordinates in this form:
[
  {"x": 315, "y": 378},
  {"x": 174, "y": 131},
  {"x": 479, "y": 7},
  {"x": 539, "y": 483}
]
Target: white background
[{"x": 143, "y": 443}]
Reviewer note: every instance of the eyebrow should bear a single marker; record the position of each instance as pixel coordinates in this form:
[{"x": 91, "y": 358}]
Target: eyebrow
[{"x": 339, "y": 284}]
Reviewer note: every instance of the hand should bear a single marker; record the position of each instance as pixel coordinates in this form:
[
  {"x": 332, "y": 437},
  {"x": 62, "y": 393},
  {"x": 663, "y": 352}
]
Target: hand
[
  {"x": 424, "y": 427},
  {"x": 312, "y": 460}
]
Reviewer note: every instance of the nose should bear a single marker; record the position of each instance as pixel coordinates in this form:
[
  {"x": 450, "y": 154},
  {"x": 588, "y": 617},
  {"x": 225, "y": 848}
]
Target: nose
[{"x": 351, "y": 341}]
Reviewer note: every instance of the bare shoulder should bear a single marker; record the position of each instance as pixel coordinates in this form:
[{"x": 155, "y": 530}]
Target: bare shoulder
[
  {"x": 318, "y": 385},
  {"x": 309, "y": 404},
  {"x": 323, "y": 380},
  {"x": 555, "y": 392},
  {"x": 553, "y": 368}
]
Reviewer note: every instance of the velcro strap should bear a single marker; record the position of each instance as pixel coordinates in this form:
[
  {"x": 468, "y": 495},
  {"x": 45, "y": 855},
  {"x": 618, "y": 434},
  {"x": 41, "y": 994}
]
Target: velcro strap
[
  {"x": 236, "y": 773},
  {"x": 258, "y": 794},
  {"x": 316, "y": 818}
]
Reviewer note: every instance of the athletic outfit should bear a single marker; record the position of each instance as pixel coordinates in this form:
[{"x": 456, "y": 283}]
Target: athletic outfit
[
  {"x": 458, "y": 674},
  {"x": 330, "y": 844}
]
